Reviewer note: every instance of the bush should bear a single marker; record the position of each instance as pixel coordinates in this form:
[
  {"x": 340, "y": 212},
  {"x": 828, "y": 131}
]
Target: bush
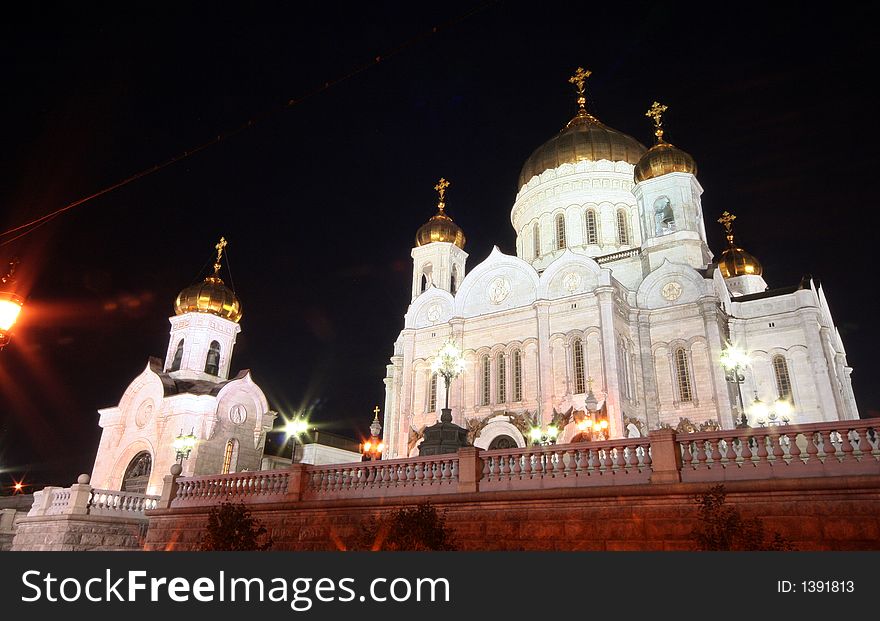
[
  {"x": 723, "y": 528},
  {"x": 418, "y": 528},
  {"x": 232, "y": 528}
]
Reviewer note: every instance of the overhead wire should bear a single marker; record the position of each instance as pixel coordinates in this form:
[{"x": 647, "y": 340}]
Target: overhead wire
[{"x": 29, "y": 227}]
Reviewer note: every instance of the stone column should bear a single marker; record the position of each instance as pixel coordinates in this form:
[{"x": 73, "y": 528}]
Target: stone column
[
  {"x": 545, "y": 362},
  {"x": 470, "y": 469},
  {"x": 649, "y": 372},
  {"x": 710, "y": 313},
  {"x": 665, "y": 457},
  {"x": 169, "y": 487},
  {"x": 609, "y": 347}
]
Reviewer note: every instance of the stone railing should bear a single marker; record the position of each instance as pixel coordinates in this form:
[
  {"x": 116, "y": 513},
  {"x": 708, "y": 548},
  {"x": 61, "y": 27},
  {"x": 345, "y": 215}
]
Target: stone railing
[
  {"x": 617, "y": 256},
  {"x": 265, "y": 486},
  {"x": 82, "y": 499},
  {"x": 394, "y": 477},
  {"x": 836, "y": 449},
  {"x": 123, "y": 504},
  {"x": 785, "y": 451},
  {"x": 612, "y": 462}
]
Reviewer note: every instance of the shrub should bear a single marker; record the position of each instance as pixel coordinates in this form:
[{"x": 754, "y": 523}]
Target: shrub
[
  {"x": 416, "y": 528},
  {"x": 232, "y": 528},
  {"x": 721, "y": 527}
]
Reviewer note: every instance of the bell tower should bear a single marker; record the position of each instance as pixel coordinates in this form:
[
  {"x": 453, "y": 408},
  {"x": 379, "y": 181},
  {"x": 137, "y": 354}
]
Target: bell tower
[
  {"x": 668, "y": 195},
  {"x": 438, "y": 256},
  {"x": 204, "y": 328}
]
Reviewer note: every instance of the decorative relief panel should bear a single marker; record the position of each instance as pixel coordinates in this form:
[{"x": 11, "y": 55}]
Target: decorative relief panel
[
  {"x": 144, "y": 413},
  {"x": 671, "y": 291},
  {"x": 571, "y": 281},
  {"x": 498, "y": 290},
  {"x": 238, "y": 414}
]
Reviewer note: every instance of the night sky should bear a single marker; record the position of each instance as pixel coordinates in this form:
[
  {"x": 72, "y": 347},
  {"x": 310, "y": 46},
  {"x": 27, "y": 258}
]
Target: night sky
[{"x": 320, "y": 201}]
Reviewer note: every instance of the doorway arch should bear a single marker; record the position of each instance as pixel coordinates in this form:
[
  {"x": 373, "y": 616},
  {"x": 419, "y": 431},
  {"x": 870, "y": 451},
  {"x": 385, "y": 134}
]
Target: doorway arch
[{"x": 137, "y": 474}]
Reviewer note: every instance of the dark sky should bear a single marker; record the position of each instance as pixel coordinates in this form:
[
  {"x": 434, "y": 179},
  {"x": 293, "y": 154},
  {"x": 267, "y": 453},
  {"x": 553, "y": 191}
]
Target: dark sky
[{"x": 320, "y": 202}]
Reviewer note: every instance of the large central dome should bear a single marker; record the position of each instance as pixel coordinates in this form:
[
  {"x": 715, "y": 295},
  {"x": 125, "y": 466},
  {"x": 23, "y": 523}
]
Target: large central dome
[{"x": 584, "y": 138}]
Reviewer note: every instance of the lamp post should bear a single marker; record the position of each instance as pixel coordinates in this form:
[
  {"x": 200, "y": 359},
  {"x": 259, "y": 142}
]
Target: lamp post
[
  {"x": 293, "y": 428},
  {"x": 600, "y": 430},
  {"x": 734, "y": 360},
  {"x": 10, "y": 304},
  {"x": 373, "y": 448},
  {"x": 449, "y": 363},
  {"x": 544, "y": 438},
  {"x": 183, "y": 445},
  {"x": 774, "y": 414}
]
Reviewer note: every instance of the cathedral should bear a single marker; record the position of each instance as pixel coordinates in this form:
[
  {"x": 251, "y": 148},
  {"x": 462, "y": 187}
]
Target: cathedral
[
  {"x": 189, "y": 393},
  {"x": 614, "y": 308}
]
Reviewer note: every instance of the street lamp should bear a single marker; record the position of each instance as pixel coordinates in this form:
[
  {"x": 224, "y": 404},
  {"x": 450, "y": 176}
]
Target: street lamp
[
  {"x": 599, "y": 430},
  {"x": 373, "y": 448},
  {"x": 544, "y": 438},
  {"x": 183, "y": 445},
  {"x": 449, "y": 363},
  {"x": 10, "y": 304},
  {"x": 734, "y": 360},
  {"x": 773, "y": 415},
  {"x": 292, "y": 429}
]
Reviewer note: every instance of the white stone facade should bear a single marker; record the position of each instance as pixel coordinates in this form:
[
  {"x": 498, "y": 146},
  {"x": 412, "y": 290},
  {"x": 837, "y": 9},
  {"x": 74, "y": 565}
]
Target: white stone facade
[
  {"x": 229, "y": 417},
  {"x": 628, "y": 297}
]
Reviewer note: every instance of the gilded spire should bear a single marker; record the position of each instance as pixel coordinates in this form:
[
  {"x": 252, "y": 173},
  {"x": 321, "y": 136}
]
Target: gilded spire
[
  {"x": 578, "y": 79},
  {"x": 655, "y": 113},
  {"x": 726, "y": 220},
  {"x": 220, "y": 246},
  {"x": 441, "y": 190}
]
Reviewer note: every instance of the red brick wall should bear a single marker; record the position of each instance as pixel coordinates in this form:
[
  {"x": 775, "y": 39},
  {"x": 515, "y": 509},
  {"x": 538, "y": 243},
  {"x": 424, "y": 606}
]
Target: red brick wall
[{"x": 835, "y": 513}]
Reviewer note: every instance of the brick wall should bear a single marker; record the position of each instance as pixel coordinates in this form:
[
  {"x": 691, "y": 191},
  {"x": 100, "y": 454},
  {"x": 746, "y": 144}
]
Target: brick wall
[{"x": 839, "y": 513}]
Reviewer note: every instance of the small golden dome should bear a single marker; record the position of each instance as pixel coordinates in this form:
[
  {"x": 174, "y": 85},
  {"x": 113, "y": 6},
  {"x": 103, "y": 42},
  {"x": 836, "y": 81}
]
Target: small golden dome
[
  {"x": 583, "y": 138},
  {"x": 211, "y": 295},
  {"x": 440, "y": 228},
  {"x": 734, "y": 260},
  {"x": 663, "y": 157}
]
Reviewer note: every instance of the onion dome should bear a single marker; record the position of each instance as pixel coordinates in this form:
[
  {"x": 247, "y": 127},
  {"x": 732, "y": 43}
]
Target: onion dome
[
  {"x": 440, "y": 228},
  {"x": 663, "y": 157},
  {"x": 211, "y": 295},
  {"x": 734, "y": 260},
  {"x": 583, "y": 138}
]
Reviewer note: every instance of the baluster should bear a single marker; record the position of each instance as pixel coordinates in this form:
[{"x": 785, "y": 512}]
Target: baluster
[
  {"x": 775, "y": 446},
  {"x": 716, "y": 450},
  {"x": 762, "y": 449},
  {"x": 526, "y": 465},
  {"x": 569, "y": 459},
  {"x": 619, "y": 457},
  {"x": 701, "y": 454},
  {"x": 420, "y": 472},
  {"x": 592, "y": 460},
  {"x": 503, "y": 467},
  {"x": 827, "y": 445},
  {"x": 632, "y": 456},
  {"x": 516, "y": 470},
  {"x": 487, "y": 467},
  {"x": 556, "y": 457},
  {"x": 864, "y": 444},
  {"x": 730, "y": 453},
  {"x": 746, "y": 451},
  {"x": 686, "y": 455},
  {"x": 846, "y": 446},
  {"x": 812, "y": 448},
  {"x": 608, "y": 463}
]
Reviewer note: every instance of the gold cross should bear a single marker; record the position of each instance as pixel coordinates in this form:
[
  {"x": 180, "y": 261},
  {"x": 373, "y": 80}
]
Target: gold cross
[
  {"x": 655, "y": 112},
  {"x": 220, "y": 246},
  {"x": 726, "y": 220},
  {"x": 376, "y": 411},
  {"x": 578, "y": 79},
  {"x": 441, "y": 189}
]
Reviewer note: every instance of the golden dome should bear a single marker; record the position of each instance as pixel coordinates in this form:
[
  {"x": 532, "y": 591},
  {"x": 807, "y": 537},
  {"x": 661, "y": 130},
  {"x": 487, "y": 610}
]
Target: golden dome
[
  {"x": 583, "y": 138},
  {"x": 440, "y": 228},
  {"x": 211, "y": 295},
  {"x": 734, "y": 260},
  {"x": 663, "y": 157}
]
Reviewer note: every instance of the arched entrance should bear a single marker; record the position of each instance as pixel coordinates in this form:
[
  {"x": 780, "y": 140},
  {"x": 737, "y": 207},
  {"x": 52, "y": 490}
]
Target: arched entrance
[
  {"x": 502, "y": 442},
  {"x": 137, "y": 475}
]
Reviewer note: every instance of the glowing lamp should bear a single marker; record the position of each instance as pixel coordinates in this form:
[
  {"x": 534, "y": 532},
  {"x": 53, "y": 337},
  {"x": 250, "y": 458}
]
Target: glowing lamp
[
  {"x": 535, "y": 434},
  {"x": 380, "y": 448},
  {"x": 10, "y": 304},
  {"x": 184, "y": 444},
  {"x": 367, "y": 446},
  {"x": 295, "y": 427}
]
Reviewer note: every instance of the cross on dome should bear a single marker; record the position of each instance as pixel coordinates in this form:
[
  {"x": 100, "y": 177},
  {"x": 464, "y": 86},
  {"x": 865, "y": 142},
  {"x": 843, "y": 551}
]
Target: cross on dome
[
  {"x": 441, "y": 190},
  {"x": 578, "y": 79},
  {"x": 655, "y": 112},
  {"x": 220, "y": 246}
]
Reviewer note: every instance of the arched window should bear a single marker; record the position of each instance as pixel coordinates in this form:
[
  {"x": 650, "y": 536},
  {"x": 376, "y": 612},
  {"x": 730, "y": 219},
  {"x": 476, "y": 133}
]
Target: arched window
[
  {"x": 230, "y": 457},
  {"x": 516, "y": 357},
  {"x": 501, "y": 382},
  {"x": 137, "y": 475},
  {"x": 536, "y": 240},
  {"x": 577, "y": 363},
  {"x": 453, "y": 283},
  {"x": 212, "y": 362},
  {"x": 432, "y": 393},
  {"x": 783, "y": 379},
  {"x": 560, "y": 231},
  {"x": 592, "y": 234},
  {"x": 622, "y": 228},
  {"x": 485, "y": 372},
  {"x": 683, "y": 375},
  {"x": 178, "y": 357}
]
